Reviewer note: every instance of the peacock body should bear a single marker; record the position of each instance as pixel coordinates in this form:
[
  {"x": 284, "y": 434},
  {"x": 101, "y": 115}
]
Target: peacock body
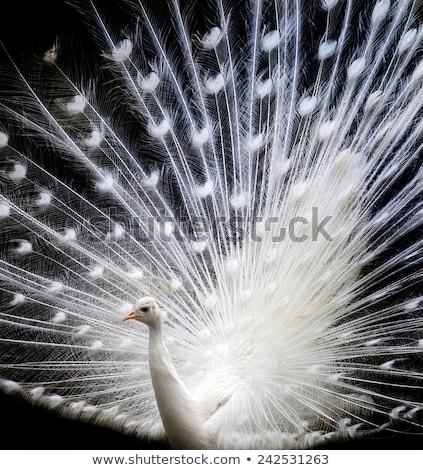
[{"x": 248, "y": 184}]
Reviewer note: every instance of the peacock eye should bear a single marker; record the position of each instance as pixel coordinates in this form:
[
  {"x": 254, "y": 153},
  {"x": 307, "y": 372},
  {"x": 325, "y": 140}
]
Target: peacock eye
[{"x": 145, "y": 309}]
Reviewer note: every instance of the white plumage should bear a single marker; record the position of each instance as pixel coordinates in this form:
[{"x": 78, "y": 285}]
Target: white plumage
[{"x": 249, "y": 186}]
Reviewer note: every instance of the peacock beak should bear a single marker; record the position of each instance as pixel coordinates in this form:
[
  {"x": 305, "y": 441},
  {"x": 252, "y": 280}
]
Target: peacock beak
[{"x": 129, "y": 316}]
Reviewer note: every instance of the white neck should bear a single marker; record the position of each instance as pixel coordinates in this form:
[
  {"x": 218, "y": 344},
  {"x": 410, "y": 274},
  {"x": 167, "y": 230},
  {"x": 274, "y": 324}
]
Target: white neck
[{"x": 178, "y": 409}]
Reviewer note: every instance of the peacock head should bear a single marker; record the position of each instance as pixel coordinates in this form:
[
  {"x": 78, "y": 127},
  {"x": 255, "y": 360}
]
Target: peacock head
[{"x": 146, "y": 311}]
